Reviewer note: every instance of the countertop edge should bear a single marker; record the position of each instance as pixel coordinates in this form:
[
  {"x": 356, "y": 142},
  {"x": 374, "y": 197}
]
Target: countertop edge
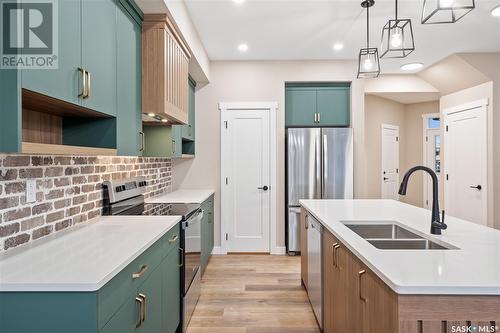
[{"x": 163, "y": 198}]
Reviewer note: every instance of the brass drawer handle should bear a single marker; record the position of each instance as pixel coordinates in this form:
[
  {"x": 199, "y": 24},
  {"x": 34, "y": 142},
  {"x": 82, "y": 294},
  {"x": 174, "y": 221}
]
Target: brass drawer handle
[
  {"x": 360, "y": 274},
  {"x": 173, "y": 239},
  {"x": 336, "y": 255},
  {"x": 144, "y": 308},
  {"x": 333, "y": 254},
  {"x": 138, "y": 274},
  {"x": 139, "y": 300}
]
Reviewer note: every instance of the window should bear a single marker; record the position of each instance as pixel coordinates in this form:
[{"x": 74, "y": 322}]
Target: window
[{"x": 433, "y": 123}]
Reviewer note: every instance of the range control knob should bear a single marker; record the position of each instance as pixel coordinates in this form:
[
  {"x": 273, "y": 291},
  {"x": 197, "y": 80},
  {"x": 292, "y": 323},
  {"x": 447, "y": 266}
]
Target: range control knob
[{"x": 120, "y": 188}]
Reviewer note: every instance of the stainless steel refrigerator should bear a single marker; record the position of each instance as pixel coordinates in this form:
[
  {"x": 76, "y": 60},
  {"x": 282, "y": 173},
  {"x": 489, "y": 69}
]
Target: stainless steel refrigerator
[{"x": 319, "y": 166}]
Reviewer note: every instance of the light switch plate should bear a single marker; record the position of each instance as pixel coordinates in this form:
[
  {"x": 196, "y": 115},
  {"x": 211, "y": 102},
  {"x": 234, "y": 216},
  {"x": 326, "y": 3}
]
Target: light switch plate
[{"x": 30, "y": 190}]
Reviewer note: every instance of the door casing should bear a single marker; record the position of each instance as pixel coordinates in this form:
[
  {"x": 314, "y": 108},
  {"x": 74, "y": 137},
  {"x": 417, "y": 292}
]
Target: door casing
[{"x": 386, "y": 127}]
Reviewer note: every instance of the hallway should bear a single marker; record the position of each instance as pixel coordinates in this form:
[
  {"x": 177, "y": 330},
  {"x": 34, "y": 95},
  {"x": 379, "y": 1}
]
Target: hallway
[{"x": 253, "y": 294}]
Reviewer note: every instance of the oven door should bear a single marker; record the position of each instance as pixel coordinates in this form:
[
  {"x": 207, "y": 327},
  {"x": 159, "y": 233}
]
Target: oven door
[{"x": 192, "y": 247}]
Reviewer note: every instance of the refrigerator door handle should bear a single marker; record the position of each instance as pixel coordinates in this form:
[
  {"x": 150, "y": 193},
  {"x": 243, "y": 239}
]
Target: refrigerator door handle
[
  {"x": 324, "y": 162},
  {"x": 318, "y": 168}
]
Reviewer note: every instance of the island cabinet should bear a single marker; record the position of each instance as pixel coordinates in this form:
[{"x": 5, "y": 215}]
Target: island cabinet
[
  {"x": 165, "y": 68},
  {"x": 207, "y": 232},
  {"x": 356, "y": 299},
  {"x": 143, "y": 297}
]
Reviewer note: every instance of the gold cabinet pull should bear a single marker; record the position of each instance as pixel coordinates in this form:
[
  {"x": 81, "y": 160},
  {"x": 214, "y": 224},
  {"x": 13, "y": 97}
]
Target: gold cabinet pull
[
  {"x": 142, "y": 141},
  {"x": 319, "y": 117},
  {"x": 333, "y": 254},
  {"x": 88, "y": 85},
  {"x": 360, "y": 275},
  {"x": 181, "y": 250},
  {"x": 173, "y": 239},
  {"x": 144, "y": 307},
  {"x": 139, "y": 300},
  {"x": 173, "y": 146},
  {"x": 336, "y": 255},
  {"x": 141, "y": 271},
  {"x": 306, "y": 226},
  {"x": 84, "y": 83}
]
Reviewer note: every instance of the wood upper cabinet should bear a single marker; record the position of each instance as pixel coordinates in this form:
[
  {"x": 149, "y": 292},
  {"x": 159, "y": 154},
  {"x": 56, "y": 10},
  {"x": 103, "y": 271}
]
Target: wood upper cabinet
[
  {"x": 303, "y": 246},
  {"x": 165, "y": 70}
]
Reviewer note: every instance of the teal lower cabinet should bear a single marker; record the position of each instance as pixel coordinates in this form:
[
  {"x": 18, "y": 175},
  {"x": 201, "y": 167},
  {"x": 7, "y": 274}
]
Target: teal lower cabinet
[
  {"x": 143, "y": 298},
  {"x": 207, "y": 232}
]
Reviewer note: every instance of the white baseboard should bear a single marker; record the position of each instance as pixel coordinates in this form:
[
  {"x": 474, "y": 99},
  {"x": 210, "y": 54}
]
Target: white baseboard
[
  {"x": 279, "y": 250},
  {"x": 217, "y": 250}
]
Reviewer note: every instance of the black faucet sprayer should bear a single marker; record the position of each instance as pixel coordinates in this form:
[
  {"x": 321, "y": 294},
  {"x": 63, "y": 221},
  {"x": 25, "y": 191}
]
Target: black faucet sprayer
[{"x": 437, "y": 224}]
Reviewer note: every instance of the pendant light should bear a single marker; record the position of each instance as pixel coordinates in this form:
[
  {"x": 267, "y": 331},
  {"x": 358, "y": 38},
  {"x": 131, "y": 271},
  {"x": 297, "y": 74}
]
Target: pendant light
[
  {"x": 445, "y": 11},
  {"x": 368, "y": 61},
  {"x": 397, "y": 37}
]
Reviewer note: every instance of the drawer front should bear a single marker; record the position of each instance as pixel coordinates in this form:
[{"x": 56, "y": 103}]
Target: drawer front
[
  {"x": 116, "y": 292},
  {"x": 172, "y": 239}
]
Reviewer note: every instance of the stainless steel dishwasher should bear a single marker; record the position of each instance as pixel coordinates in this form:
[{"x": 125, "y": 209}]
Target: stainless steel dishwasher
[{"x": 314, "y": 267}]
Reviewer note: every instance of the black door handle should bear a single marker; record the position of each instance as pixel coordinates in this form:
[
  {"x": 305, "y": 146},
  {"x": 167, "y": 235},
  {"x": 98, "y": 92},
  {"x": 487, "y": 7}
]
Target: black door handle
[
  {"x": 478, "y": 187},
  {"x": 385, "y": 178},
  {"x": 265, "y": 188}
]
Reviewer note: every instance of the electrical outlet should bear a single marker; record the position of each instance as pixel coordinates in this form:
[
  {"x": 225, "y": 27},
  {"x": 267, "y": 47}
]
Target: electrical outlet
[{"x": 30, "y": 190}]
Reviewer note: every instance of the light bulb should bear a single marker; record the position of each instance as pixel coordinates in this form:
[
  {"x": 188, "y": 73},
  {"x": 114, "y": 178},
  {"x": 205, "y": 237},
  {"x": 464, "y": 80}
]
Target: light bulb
[
  {"x": 396, "y": 37},
  {"x": 368, "y": 63},
  {"x": 446, "y": 3}
]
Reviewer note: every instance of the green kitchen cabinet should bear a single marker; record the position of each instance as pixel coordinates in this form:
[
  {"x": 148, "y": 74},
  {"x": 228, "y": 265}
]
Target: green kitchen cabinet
[
  {"x": 207, "y": 232},
  {"x": 333, "y": 106},
  {"x": 128, "y": 98},
  {"x": 188, "y": 131},
  {"x": 317, "y": 105},
  {"x": 171, "y": 291},
  {"x": 300, "y": 104},
  {"x": 63, "y": 83},
  {"x": 99, "y": 54}
]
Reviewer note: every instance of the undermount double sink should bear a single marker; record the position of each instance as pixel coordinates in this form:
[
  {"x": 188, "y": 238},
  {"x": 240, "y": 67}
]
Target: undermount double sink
[{"x": 388, "y": 235}]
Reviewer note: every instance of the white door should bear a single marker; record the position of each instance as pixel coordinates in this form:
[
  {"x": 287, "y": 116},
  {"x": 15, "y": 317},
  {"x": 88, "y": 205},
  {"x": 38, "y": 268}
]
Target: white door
[
  {"x": 245, "y": 154},
  {"x": 433, "y": 161},
  {"x": 465, "y": 162},
  {"x": 390, "y": 162}
]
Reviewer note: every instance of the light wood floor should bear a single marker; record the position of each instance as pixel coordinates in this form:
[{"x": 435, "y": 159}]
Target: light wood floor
[{"x": 253, "y": 294}]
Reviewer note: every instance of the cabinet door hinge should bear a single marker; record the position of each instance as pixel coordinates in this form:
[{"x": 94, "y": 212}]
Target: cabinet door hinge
[
  {"x": 225, "y": 124},
  {"x": 227, "y": 180},
  {"x": 446, "y": 128},
  {"x": 447, "y": 177},
  {"x": 227, "y": 236},
  {"x": 426, "y": 139}
]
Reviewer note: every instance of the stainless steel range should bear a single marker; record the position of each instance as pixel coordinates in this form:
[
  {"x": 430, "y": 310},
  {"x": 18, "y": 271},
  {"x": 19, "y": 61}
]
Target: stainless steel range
[{"x": 126, "y": 197}]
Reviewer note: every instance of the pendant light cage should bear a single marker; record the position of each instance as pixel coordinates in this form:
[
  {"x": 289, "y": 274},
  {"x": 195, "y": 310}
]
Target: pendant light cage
[
  {"x": 397, "y": 37},
  {"x": 368, "y": 63},
  {"x": 368, "y": 59},
  {"x": 445, "y": 11}
]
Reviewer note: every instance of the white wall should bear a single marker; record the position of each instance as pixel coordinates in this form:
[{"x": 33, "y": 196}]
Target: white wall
[{"x": 246, "y": 81}]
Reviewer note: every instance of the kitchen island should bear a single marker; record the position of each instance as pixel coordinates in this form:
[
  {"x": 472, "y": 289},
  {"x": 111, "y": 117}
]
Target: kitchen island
[{"x": 404, "y": 280}]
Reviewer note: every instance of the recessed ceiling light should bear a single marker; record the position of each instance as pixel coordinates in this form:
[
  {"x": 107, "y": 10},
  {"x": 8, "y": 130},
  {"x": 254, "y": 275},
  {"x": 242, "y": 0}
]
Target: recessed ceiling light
[
  {"x": 164, "y": 121},
  {"x": 338, "y": 46},
  {"x": 412, "y": 66},
  {"x": 243, "y": 47},
  {"x": 151, "y": 114},
  {"x": 496, "y": 11},
  {"x": 238, "y": 1}
]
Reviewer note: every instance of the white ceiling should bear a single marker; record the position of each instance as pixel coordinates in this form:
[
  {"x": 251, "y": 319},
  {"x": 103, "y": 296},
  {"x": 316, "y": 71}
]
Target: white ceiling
[{"x": 307, "y": 29}]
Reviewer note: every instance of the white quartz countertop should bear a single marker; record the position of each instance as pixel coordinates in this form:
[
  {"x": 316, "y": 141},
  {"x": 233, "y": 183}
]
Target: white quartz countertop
[
  {"x": 472, "y": 269},
  {"x": 182, "y": 196},
  {"x": 83, "y": 258}
]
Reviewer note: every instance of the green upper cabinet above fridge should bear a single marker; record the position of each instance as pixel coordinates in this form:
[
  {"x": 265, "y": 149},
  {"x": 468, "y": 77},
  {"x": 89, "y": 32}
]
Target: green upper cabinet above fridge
[
  {"x": 188, "y": 131},
  {"x": 63, "y": 83},
  {"x": 317, "y": 104},
  {"x": 99, "y": 52},
  {"x": 333, "y": 106},
  {"x": 300, "y": 104}
]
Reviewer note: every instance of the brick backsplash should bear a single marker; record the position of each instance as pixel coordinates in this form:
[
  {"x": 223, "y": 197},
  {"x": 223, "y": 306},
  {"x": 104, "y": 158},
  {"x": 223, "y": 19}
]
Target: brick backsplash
[{"x": 69, "y": 190}]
